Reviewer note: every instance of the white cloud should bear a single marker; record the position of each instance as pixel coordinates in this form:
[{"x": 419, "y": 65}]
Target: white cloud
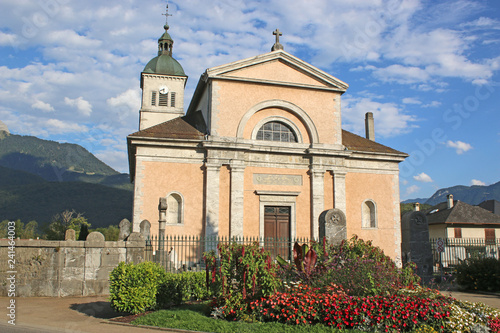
[
  {"x": 42, "y": 106},
  {"x": 412, "y": 189},
  {"x": 114, "y": 159},
  {"x": 130, "y": 99},
  {"x": 83, "y": 106},
  {"x": 402, "y": 74},
  {"x": 433, "y": 104},
  {"x": 411, "y": 100},
  {"x": 477, "y": 182},
  {"x": 59, "y": 127},
  {"x": 423, "y": 177},
  {"x": 390, "y": 120},
  {"x": 459, "y": 146}
]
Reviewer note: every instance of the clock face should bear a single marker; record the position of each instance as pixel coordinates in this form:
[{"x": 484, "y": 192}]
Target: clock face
[{"x": 163, "y": 90}]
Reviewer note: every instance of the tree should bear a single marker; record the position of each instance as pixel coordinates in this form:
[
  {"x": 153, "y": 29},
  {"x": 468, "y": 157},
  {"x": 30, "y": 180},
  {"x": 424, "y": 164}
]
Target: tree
[
  {"x": 84, "y": 232},
  {"x": 28, "y": 231},
  {"x": 110, "y": 233},
  {"x": 56, "y": 230}
]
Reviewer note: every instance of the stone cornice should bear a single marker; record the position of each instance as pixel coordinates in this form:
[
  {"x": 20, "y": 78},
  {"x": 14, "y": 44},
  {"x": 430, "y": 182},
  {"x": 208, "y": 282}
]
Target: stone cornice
[{"x": 282, "y": 56}]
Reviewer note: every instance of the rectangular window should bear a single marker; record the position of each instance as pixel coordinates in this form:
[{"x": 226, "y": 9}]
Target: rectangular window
[
  {"x": 153, "y": 98},
  {"x": 489, "y": 235},
  {"x": 163, "y": 100},
  {"x": 172, "y": 99},
  {"x": 458, "y": 232}
]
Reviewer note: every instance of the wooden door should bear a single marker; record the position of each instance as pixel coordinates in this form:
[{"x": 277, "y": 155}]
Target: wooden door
[{"x": 277, "y": 230}]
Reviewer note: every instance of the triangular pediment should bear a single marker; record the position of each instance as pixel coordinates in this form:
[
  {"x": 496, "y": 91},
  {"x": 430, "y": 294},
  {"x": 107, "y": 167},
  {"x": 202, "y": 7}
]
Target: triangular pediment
[{"x": 278, "y": 67}]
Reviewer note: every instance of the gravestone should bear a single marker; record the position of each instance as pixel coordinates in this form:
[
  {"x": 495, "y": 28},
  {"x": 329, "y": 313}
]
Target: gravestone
[
  {"x": 145, "y": 229},
  {"x": 96, "y": 237},
  {"x": 332, "y": 225},
  {"x": 124, "y": 229},
  {"x": 70, "y": 235},
  {"x": 415, "y": 244}
]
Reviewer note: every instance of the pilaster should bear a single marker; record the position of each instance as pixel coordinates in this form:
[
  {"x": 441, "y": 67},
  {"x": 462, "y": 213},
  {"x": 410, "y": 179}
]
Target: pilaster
[
  {"x": 237, "y": 187},
  {"x": 339, "y": 190},
  {"x": 212, "y": 200},
  {"x": 317, "y": 198}
]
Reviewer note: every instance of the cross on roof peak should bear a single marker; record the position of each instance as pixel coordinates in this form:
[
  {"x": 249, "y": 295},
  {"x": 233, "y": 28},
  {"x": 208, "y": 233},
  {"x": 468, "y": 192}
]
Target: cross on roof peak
[{"x": 277, "y": 45}]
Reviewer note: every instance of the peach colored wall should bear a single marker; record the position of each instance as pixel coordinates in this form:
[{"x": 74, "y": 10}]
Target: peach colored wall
[
  {"x": 252, "y": 122},
  {"x": 251, "y": 200},
  {"x": 275, "y": 71},
  {"x": 160, "y": 179},
  {"x": 224, "y": 200},
  {"x": 234, "y": 99},
  {"x": 379, "y": 188},
  {"x": 329, "y": 192}
]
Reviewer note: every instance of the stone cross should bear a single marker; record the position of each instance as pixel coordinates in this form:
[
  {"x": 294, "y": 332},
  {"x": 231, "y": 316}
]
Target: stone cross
[
  {"x": 277, "y": 45},
  {"x": 277, "y": 33}
]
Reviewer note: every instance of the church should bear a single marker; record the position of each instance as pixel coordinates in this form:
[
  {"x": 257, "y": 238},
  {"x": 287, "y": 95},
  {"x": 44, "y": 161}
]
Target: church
[{"x": 259, "y": 152}]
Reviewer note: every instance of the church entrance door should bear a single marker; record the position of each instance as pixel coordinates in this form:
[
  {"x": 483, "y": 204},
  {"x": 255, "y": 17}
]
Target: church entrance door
[{"x": 277, "y": 230}]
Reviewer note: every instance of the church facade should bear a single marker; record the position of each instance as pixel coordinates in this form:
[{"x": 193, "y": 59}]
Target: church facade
[{"x": 258, "y": 152}]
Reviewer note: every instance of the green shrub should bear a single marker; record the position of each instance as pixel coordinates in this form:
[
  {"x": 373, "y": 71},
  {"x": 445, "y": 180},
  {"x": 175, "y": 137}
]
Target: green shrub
[
  {"x": 479, "y": 274},
  {"x": 359, "y": 267},
  {"x": 133, "y": 288},
  {"x": 181, "y": 287}
]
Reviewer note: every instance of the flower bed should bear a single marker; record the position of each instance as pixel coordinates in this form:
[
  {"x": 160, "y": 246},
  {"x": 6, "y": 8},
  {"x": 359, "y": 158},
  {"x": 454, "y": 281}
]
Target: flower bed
[
  {"x": 305, "y": 305},
  {"x": 348, "y": 286}
]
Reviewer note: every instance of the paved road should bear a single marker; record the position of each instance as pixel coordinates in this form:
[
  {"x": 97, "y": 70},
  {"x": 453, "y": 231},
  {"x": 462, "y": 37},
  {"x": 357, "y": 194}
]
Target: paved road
[{"x": 90, "y": 314}]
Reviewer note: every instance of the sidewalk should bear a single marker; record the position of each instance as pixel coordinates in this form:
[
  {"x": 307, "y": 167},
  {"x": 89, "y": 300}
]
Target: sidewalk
[
  {"x": 66, "y": 314},
  {"x": 90, "y": 314}
]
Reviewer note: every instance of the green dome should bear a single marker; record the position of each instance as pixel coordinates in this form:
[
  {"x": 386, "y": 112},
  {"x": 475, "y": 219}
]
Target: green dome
[{"x": 164, "y": 64}]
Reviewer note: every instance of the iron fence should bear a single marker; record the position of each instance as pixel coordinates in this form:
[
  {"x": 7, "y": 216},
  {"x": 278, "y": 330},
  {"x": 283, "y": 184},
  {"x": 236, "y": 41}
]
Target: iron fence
[
  {"x": 459, "y": 249},
  {"x": 185, "y": 253}
]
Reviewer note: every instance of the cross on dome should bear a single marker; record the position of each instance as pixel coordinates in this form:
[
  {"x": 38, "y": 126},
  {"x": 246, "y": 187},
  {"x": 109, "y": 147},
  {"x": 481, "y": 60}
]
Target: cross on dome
[{"x": 166, "y": 17}]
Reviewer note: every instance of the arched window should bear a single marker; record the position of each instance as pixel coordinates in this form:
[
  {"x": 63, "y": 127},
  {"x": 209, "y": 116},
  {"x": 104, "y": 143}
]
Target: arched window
[
  {"x": 368, "y": 214},
  {"x": 276, "y": 131},
  {"x": 175, "y": 208}
]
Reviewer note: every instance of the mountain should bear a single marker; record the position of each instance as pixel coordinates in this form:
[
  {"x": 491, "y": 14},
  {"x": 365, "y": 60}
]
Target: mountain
[
  {"x": 419, "y": 200},
  {"x": 41, "y": 178},
  {"x": 473, "y": 195},
  {"x": 55, "y": 161}
]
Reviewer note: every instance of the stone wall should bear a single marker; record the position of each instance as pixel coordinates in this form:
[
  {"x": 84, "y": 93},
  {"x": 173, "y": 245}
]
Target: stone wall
[{"x": 67, "y": 268}]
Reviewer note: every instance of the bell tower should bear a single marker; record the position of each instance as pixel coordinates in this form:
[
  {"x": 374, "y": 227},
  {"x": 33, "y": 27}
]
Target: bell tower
[{"x": 162, "y": 82}]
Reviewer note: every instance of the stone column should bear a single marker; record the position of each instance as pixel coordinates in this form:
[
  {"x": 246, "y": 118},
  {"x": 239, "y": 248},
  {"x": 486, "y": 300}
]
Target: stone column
[
  {"x": 339, "y": 190},
  {"x": 317, "y": 198},
  {"x": 212, "y": 200},
  {"x": 237, "y": 187},
  {"x": 162, "y": 220}
]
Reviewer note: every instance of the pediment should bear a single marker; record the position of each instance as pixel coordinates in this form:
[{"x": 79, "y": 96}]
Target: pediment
[{"x": 278, "y": 67}]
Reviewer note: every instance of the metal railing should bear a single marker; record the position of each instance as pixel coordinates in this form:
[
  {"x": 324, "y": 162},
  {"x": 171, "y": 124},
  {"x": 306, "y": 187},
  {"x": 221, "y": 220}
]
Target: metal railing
[
  {"x": 185, "y": 253},
  {"x": 459, "y": 249}
]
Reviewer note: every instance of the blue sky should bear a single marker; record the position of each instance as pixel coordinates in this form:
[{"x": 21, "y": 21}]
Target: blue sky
[{"x": 428, "y": 70}]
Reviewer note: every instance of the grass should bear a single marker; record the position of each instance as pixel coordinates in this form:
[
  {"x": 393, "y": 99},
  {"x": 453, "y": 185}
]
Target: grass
[{"x": 196, "y": 317}]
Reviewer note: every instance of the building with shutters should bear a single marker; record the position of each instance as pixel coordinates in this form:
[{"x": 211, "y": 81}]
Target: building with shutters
[{"x": 457, "y": 219}]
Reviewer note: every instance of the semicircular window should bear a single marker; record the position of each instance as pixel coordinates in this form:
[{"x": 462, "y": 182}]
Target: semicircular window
[{"x": 276, "y": 131}]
